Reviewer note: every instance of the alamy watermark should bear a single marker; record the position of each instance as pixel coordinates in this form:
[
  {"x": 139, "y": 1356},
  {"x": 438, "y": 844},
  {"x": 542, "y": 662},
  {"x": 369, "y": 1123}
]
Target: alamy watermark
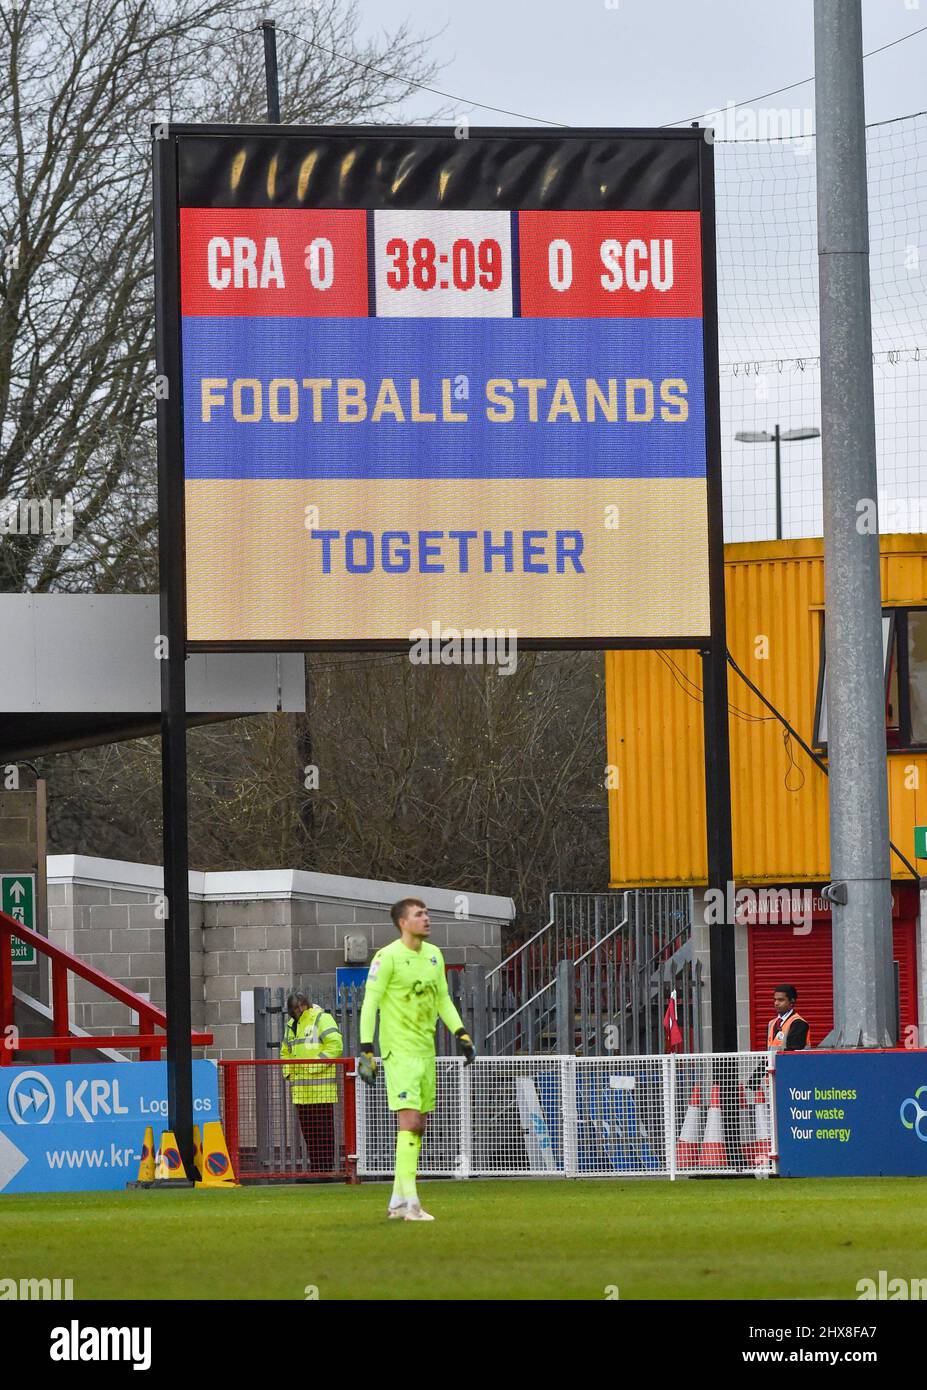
[
  {"x": 83, "y": 1343},
  {"x": 735, "y": 906},
  {"x": 38, "y": 516},
  {"x": 894, "y": 1289},
  {"x": 469, "y": 646},
  {"x": 890, "y": 514},
  {"x": 792, "y": 124},
  {"x": 37, "y": 1290}
]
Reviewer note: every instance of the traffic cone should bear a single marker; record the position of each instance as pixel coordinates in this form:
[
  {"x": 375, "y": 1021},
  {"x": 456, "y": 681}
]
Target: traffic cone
[
  {"x": 713, "y": 1153},
  {"x": 217, "y": 1166},
  {"x": 169, "y": 1165},
  {"x": 146, "y": 1168},
  {"x": 747, "y": 1143},
  {"x": 762, "y": 1149},
  {"x": 198, "y": 1152},
  {"x": 687, "y": 1145}
]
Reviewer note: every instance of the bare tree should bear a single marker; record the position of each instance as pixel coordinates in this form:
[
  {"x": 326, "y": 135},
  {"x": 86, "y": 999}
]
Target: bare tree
[
  {"x": 80, "y": 85},
  {"x": 454, "y": 776}
]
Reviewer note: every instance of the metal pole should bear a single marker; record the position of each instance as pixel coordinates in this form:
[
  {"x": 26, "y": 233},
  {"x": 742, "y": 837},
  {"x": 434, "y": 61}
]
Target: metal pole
[
  {"x": 272, "y": 1098},
  {"x": 714, "y": 658},
  {"x": 565, "y": 994},
  {"x": 777, "y": 437},
  {"x": 270, "y": 71},
  {"x": 475, "y": 981},
  {"x": 858, "y": 782},
  {"x": 173, "y": 657}
]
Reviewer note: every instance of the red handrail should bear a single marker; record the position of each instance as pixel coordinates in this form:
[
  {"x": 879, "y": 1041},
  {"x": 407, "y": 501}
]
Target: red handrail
[{"x": 149, "y": 1043}]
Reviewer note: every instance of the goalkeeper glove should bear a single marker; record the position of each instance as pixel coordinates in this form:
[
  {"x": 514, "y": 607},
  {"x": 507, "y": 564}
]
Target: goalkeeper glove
[
  {"x": 465, "y": 1043},
  {"x": 367, "y": 1064}
]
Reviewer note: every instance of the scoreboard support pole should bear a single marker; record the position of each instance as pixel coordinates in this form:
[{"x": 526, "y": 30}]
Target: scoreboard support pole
[
  {"x": 270, "y": 71},
  {"x": 172, "y": 653},
  {"x": 714, "y": 656}
]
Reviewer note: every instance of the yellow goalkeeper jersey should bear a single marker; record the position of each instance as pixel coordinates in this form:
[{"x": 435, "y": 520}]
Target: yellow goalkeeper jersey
[{"x": 409, "y": 988}]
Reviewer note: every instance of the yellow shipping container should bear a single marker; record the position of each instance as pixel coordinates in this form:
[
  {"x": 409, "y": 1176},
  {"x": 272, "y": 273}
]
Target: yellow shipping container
[{"x": 775, "y": 601}]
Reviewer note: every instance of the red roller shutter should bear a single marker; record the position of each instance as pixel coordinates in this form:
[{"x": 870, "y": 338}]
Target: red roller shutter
[
  {"x": 906, "y": 956},
  {"x": 778, "y": 956}
]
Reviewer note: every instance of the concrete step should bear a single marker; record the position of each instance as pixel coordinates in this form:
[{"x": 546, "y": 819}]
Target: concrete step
[{"x": 34, "y": 1020}]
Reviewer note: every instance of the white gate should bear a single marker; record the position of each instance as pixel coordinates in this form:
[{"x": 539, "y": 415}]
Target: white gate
[{"x": 561, "y": 1116}]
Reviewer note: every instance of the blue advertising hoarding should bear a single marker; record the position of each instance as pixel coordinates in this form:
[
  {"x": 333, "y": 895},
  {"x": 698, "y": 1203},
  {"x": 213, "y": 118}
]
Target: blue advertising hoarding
[
  {"x": 852, "y": 1114},
  {"x": 80, "y": 1128}
]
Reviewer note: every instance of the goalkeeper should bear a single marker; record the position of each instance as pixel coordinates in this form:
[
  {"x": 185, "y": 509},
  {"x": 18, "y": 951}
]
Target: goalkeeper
[{"x": 408, "y": 986}]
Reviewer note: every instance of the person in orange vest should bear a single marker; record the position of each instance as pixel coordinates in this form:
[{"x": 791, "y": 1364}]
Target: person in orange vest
[{"x": 788, "y": 1031}]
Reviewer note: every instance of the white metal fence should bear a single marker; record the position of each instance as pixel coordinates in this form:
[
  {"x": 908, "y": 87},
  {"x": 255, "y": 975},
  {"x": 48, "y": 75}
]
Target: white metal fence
[{"x": 561, "y": 1116}]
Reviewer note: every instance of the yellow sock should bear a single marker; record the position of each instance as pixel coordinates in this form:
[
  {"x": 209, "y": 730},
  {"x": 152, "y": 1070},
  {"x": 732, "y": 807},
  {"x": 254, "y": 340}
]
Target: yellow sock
[{"x": 408, "y": 1147}]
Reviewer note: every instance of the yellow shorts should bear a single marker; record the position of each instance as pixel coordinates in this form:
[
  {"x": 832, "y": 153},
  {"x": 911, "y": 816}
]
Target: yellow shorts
[{"x": 410, "y": 1083}]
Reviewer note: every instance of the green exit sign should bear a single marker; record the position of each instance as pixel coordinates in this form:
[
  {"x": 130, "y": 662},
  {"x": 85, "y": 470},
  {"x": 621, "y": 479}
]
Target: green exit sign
[
  {"x": 17, "y": 900},
  {"x": 920, "y": 842}
]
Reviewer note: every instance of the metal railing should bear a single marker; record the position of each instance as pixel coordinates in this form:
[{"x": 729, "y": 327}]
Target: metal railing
[
  {"x": 62, "y": 1041},
  {"x": 547, "y": 1116},
  {"x": 595, "y": 980},
  {"x": 544, "y": 1116},
  {"x": 597, "y": 977},
  {"x": 521, "y": 990},
  {"x": 622, "y": 984},
  {"x": 273, "y": 1136}
]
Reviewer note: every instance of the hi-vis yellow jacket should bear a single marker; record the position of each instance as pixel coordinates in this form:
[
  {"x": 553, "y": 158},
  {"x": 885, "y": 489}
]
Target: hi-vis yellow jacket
[{"x": 314, "y": 1034}]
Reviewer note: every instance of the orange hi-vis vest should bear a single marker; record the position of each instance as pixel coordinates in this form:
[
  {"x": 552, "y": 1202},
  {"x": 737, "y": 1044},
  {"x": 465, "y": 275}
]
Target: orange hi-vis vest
[{"x": 777, "y": 1032}]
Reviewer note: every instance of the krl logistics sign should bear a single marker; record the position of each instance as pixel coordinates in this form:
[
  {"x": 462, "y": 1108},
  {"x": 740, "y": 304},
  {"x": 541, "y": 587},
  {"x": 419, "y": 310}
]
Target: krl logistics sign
[
  {"x": 430, "y": 379},
  {"x": 80, "y": 1128}
]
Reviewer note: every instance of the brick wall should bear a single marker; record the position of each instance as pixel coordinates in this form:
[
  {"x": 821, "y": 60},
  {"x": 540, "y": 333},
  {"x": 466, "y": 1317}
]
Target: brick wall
[{"x": 237, "y": 943}]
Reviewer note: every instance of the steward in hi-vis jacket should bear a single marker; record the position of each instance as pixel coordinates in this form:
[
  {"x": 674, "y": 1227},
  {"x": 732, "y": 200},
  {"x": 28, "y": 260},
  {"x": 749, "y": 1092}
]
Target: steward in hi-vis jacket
[{"x": 312, "y": 1033}]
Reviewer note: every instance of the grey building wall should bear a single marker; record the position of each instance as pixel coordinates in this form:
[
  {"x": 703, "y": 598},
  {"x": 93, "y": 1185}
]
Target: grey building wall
[
  {"x": 277, "y": 936},
  {"x": 120, "y": 932},
  {"x": 300, "y": 941}
]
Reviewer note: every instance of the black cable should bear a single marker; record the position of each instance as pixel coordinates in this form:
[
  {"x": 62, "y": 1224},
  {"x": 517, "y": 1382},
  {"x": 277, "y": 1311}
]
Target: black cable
[
  {"x": 818, "y": 761},
  {"x": 544, "y": 120},
  {"x": 696, "y": 692},
  {"x": 410, "y": 82},
  {"x": 792, "y": 85}
]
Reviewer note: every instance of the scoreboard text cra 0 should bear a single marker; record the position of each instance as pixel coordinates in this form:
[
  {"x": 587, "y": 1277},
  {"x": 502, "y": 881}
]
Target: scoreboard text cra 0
[{"x": 428, "y": 380}]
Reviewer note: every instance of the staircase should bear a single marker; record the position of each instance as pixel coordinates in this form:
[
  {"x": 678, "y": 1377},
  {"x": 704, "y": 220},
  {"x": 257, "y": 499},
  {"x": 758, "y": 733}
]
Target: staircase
[
  {"x": 35, "y": 1020},
  {"x": 20, "y": 1013},
  {"x": 521, "y": 990},
  {"x": 597, "y": 977}
]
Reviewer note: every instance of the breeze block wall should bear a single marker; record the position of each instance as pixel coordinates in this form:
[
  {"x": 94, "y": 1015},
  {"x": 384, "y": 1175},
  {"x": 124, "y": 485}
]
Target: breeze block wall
[{"x": 272, "y": 928}]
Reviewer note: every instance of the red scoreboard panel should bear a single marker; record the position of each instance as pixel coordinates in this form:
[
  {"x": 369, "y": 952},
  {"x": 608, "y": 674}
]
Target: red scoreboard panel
[
  {"x": 610, "y": 265},
  {"x": 259, "y": 263}
]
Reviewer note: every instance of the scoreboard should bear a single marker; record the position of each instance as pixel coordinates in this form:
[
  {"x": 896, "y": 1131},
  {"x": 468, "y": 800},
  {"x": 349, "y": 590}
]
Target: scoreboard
[{"x": 431, "y": 381}]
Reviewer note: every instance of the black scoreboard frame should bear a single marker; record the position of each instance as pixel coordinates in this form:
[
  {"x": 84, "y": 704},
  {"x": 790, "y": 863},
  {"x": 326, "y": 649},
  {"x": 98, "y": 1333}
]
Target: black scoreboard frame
[{"x": 172, "y": 584}]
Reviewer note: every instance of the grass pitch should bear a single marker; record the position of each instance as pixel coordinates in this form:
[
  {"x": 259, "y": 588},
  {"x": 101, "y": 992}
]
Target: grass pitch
[{"x": 490, "y": 1240}]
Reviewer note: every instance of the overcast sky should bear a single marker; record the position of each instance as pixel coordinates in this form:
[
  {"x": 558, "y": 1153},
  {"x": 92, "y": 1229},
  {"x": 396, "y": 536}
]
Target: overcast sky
[
  {"x": 646, "y": 62},
  {"x": 655, "y": 62}
]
